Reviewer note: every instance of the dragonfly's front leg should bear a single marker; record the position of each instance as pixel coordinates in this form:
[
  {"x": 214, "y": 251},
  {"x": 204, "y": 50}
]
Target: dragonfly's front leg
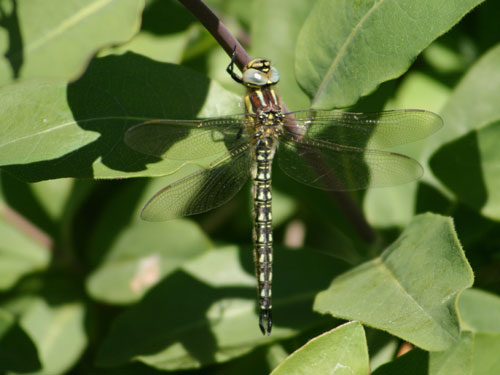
[{"x": 230, "y": 68}]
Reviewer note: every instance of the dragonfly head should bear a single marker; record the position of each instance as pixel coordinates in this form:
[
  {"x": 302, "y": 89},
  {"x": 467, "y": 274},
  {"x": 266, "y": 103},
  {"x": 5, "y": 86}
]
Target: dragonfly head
[{"x": 259, "y": 72}]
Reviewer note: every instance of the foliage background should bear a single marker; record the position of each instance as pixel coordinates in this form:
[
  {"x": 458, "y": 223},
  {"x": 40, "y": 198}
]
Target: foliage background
[{"x": 87, "y": 287}]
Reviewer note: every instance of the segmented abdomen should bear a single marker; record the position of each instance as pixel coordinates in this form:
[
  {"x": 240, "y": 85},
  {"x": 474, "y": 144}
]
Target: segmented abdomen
[{"x": 262, "y": 234}]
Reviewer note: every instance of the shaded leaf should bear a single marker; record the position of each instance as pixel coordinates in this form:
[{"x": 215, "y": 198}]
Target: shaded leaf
[
  {"x": 411, "y": 289},
  {"x": 56, "y": 39},
  {"x": 478, "y": 183},
  {"x": 55, "y": 329},
  {"x": 17, "y": 351},
  {"x": 280, "y": 45},
  {"x": 21, "y": 249},
  {"x": 139, "y": 254},
  {"x": 206, "y": 313},
  {"x": 474, "y": 354},
  {"x": 343, "y": 350},
  {"x": 479, "y": 311},
  {"x": 473, "y": 103},
  {"x": 78, "y": 130},
  {"x": 347, "y": 48}
]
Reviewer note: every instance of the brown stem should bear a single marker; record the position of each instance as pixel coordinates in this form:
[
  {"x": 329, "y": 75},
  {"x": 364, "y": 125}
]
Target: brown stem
[
  {"x": 27, "y": 227},
  {"x": 218, "y": 30}
]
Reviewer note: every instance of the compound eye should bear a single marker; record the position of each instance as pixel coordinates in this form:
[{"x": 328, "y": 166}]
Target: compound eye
[
  {"x": 254, "y": 77},
  {"x": 274, "y": 75}
]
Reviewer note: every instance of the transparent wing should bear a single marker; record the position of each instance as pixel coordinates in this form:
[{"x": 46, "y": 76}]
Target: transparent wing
[
  {"x": 188, "y": 139},
  {"x": 334, "y": 167},
  {"x": 201, "y": 191},
  {"x": 375, "y": 130}
]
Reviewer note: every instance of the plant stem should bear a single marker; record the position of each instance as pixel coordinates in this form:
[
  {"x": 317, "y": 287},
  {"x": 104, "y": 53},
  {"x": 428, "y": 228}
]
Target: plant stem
[{"x": 218, "y": 30}]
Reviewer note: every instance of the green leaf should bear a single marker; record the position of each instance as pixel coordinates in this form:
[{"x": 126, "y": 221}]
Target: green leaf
[
  {"x": 280, "y": 46},
  {"x": 478, "y": 182},
  {"x": 206, "y": 312},
  {"x": 410, "y": 290},
  {"x": 479, "y": 311},
  {"x": 55, "y": 328},
  {"x": 474, "y": 102},
  {"x": 346, "y": 48},
  {"x": 343, "y": 350},
  {"x": 472, "y": 119},
  {"x": 474, "y": 354},
  {"x": 22, "y": 250},
  {"x": 17, "y": 351},
  {"x": 138, "y": 254},
  {"x": 56, "y": 39},
  {"x": 77, "y": 130},
  {"x": 165, "y": 32},
  {"x": 396, "y": 205}
]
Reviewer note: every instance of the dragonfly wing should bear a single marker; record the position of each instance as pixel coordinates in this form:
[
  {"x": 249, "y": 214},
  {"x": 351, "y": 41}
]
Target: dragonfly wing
[
  {"x": 187, "y": 139},
  {"x": 201, "y": 191},
  {"x": 375, "y": 130},
  {"x": 335, "y": 167}
]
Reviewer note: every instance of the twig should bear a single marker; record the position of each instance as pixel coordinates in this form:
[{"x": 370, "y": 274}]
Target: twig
[
  {"x": 27, "y": 227},
  {"x": 218, "y": 30},
  {"x": 229, "y": 43}
]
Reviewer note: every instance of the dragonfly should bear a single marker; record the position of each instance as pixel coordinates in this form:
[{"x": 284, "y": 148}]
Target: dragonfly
[{"x": 329, "y": 150}]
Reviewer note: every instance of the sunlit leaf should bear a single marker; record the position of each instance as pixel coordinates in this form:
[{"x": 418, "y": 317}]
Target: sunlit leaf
[
  {"x": 77, "y": 130},
  {"x": 56, "y": 39},
  {"x": 411, "y": 289},
  {"x": 340, "y": 351},
  {"x": 347, "y": 48},
  {"x": 210, "y": 305}
]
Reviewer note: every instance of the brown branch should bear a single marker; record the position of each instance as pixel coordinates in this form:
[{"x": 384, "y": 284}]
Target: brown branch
[
  {"x": 27, "y": 227},
  {"x": 218, "y": 30}
]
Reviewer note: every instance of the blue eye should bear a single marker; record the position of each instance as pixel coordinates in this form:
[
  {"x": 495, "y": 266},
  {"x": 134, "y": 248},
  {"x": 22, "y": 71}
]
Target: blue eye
[{"x": 254, "y": 77}]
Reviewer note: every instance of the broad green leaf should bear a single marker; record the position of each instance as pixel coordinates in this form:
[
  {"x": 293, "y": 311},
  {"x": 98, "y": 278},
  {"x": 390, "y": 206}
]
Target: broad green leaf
[
  {"x": 479, "y": 311},
  {"x": 58, "y": 331},
  {"x": 160, "y": 48},
  {"x": 341, "y": 351},
  {"x": 410, "y": 290},
  {"x": 165, "y": 33},
  {"x": 56, "y": 39},
  {"x": 473, "y": 103},
  {"x": 472, "y": 117},
  {"x": 395, "y": 206},
  {"x": 141, "y": 256},
  {"x": 138, "y": 254},
  {"x": 279, "y": 46},
  {"x": 206, "y": 312},
  {"x": 17, "y": 352},
  {"x": 347, "y": 48},
  {"x": 53, "y": 195},
  {"x": 23, "y": 249},
  {"x": 77, "y": 130},
  {"x": 478, "y": 183},
  {"x": 474, "y": 354}
]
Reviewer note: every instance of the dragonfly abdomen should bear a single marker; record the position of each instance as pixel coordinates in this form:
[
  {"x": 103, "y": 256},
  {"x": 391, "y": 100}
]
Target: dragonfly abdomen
[{"x": 262, "y": 233}]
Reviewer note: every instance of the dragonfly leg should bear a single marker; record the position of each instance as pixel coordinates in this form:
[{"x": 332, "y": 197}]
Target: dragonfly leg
[
  {"x": 265, "y": 321},
  {"x": 230, "y": 68}
]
